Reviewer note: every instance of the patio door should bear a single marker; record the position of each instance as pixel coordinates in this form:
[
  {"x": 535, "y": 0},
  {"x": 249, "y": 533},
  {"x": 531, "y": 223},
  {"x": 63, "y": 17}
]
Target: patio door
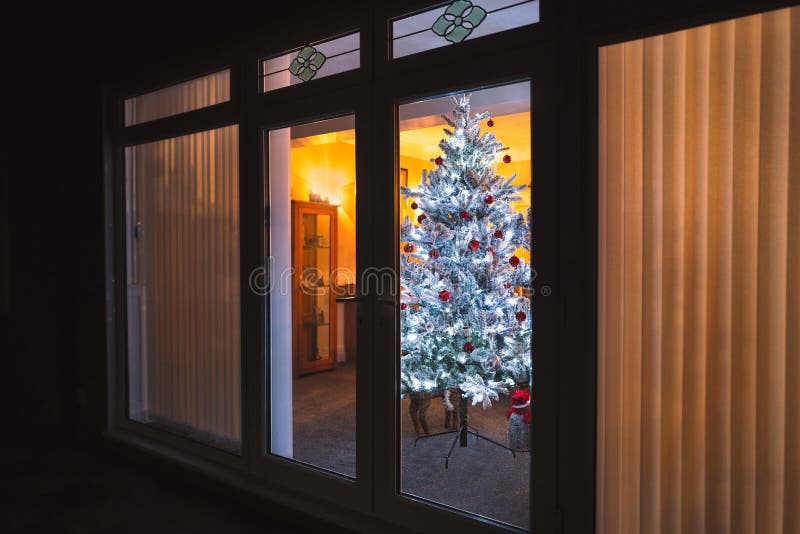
[
  {"x": 470, "y": 339},
  {"x": 316, "y": 347},
  {"x": 353, "y": 383}
]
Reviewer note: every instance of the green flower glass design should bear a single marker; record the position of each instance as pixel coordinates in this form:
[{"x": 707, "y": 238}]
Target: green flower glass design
[
  {"x": 307, "y": 62},
  {"x": 458, "y": 21}
]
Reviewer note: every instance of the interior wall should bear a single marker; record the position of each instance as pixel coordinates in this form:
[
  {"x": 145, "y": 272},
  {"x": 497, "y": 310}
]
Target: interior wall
[
  {"x": 329, "y": 169},
  {"x": 280, "y": 302}
]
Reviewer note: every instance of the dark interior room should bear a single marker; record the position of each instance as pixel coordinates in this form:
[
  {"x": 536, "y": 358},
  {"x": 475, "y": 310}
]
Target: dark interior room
[{"x": 405, "y": 266}]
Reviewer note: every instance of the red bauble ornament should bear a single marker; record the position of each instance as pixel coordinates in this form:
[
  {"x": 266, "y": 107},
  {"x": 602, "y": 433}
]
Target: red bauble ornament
[
  {"x": 498, "y": 234},
  {"x": 421, "y": 218},
  {"x": 473, "y": 245},
  {"x": 490, "y": 250},
  {"x": 514, "y": 261},
  {"x": 409, "y": 248},
  {"x": 506, "y": 285},
  {"x": 444, "y": 295},
  {"x": 490, "y": 123},
  {"x": 414, "y": 205},
  {"x": 468, "y": 347},
  {"x": 438, "y": 160},
  {"x": 464, "y": 214},
  {"x": 433, "y": 253},
  {"x": 521, "y": 316},
  {"x": 403, "y": 305},
  {"x": 488, "y": 199},
  {"x": 506, "y": 159}
]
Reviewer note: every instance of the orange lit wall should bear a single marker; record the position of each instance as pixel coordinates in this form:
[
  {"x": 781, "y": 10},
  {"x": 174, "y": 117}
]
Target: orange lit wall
[{"x": 326, "y": 164}]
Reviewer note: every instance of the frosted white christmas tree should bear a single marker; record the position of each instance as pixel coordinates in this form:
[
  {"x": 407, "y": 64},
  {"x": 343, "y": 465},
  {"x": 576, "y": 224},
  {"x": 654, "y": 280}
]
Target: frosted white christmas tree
[{"x": 465, "y": 306}]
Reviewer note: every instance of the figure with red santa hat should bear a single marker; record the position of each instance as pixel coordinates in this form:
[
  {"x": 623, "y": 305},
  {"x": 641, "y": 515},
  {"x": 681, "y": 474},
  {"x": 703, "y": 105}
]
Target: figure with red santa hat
[{"x": 519, "y": 421}]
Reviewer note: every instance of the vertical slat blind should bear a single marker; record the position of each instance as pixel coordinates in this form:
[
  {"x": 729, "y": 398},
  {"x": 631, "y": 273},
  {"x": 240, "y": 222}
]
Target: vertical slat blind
[
  {"x": 194, "y": 94},
  {"x": 185, "y": 264},
  {"x": 699, "y": 280}
]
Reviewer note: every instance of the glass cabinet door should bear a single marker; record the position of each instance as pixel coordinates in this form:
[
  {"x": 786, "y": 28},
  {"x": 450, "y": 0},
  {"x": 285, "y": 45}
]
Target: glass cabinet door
[{"x": 315, "y": 239}]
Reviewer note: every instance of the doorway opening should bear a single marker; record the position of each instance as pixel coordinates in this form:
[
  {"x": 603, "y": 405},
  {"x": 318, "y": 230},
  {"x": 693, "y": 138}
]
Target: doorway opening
[{"x": 312, "y": 266}]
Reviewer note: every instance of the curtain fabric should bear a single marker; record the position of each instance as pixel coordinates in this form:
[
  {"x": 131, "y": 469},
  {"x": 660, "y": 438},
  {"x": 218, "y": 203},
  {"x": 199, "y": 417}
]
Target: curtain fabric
[
  {"x": 699, "y": 280},
  {"x": 183, "y": 317},
  {"x": 179, "y": 98}
]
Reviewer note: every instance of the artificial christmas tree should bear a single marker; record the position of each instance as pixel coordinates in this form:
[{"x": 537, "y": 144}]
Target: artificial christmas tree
[{"x": 466, "y": 325}]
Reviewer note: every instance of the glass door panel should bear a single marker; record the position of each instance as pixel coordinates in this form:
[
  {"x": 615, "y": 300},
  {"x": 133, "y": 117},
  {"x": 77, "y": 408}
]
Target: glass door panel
[
  {"x": 465, "y": 313},
  {"x": 312, "y": 310}
]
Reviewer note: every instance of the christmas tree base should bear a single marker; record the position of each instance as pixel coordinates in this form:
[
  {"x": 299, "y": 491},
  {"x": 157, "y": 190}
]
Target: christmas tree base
[{"x": 461, "y": 434}]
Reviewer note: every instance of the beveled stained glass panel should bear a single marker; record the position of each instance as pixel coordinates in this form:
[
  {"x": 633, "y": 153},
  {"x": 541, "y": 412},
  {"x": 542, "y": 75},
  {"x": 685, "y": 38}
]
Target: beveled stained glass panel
[
  {"x": 458, "y": 21},
  {"x": 311, "y": 61}
]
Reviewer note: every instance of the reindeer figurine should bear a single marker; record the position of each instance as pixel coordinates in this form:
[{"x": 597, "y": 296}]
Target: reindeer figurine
[{"x": 421, "y": 401}]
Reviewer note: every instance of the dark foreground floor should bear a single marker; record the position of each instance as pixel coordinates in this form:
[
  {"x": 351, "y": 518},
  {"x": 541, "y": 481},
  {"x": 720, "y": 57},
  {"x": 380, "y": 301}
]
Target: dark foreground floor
[
  {"x": 75, "y": 489},
  {"x": 109, "y": 489}
]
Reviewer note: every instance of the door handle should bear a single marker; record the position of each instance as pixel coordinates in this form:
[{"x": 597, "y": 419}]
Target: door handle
[
  {"x": 356, "y": 298},
  {"x": 389, "y": 301}
]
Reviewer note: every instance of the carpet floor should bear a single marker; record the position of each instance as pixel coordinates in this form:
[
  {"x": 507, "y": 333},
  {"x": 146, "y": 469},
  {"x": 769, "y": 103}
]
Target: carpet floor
[{"x": 481, "y": 478}]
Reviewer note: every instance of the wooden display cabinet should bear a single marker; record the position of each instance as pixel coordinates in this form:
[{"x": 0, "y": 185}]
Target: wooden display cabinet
[{"x": 313, "y": 302}]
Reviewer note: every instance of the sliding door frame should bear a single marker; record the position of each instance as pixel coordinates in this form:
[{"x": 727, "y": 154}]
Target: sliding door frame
[
  {"x": 329, "y": 487},
  {"x": 332, "y": 96},
  {"x": 117, "y": 138},
  {"x": 516, "y": 55}
]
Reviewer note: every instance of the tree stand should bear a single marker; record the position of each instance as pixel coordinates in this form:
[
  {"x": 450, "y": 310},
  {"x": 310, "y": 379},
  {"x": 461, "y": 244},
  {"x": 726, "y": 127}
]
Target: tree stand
[{"x": 461, "y": 433}]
